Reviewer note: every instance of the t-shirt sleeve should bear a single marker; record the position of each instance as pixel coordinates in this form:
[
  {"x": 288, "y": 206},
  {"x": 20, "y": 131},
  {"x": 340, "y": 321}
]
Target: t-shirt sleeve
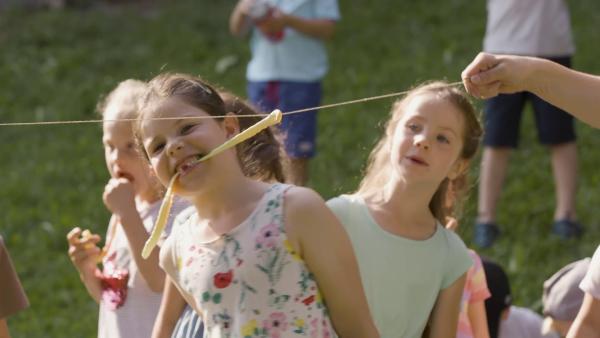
[
  {"x": 458, "y": 259},
  {"x": 339, "y": 207},
  {"x": 479, "y": 288},
  {"x": 591, "y": 281},
  {"x": 12, "y": 296},
  {"x": 327, "y": 9}
]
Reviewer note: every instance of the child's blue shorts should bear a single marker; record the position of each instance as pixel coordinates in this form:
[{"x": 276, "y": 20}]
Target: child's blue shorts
[
  {"x": 299, "y": 130},
  {"x": 503, "y": 118}
]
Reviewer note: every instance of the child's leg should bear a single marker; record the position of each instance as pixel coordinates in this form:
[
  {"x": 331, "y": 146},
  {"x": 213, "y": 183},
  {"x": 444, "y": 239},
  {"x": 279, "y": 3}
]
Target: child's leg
[
  {"x": 300, "y": 130},
  {"x": 502, "y": 122},
  {"x": 556, "y": 130}
]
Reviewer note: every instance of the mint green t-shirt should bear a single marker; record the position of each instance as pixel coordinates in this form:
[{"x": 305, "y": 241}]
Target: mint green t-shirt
[{"x": 401, "y": 277}]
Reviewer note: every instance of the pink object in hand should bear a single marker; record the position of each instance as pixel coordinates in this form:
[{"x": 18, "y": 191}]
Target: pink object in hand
[
  {"x": 261, "y": 11},
  {"x": 114, "y": 287}
]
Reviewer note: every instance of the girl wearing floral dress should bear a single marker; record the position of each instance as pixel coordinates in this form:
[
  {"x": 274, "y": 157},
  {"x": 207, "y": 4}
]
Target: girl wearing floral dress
[{"x": 254, "y": 259}]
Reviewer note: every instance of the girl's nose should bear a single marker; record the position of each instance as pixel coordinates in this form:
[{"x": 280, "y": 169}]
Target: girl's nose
[
  {"x": 174, "y": 147},
  {"x": 422, "y": 142}
]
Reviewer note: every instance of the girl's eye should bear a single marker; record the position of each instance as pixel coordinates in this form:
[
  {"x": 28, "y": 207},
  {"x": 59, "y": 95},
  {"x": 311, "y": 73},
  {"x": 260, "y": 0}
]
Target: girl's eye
[
  {"x": 157, "y": 148},
  {"x": 443, "y": 139},
  {"x": 186, "y": 129},
  {"x": 130, "y": 146},
  {"x": 413, "y": 127}
]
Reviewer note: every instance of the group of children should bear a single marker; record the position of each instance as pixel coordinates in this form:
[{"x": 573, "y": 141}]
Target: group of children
[
  {"x": 255, "y": 257},
  {"x": 250, "y": 256}
]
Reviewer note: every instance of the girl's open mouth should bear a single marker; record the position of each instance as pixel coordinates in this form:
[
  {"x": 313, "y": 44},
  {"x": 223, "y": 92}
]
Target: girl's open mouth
[{"x": 189, "y": 164}]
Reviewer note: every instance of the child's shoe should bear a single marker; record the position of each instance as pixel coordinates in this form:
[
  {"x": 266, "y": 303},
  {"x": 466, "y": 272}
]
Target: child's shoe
[
  {"x": 567, "y": 229},
  {"x": 486, "y": 234}
]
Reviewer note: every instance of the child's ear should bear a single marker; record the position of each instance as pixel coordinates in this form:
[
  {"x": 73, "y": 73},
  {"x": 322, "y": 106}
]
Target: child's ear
[
  {"x": 231, "y": 125},
  {"x": 458, "y": 168}
]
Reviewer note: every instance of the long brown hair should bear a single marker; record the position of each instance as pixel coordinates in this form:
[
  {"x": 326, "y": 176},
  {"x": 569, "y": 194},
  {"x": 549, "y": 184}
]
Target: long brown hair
[
  {"x": 260, "y": 157},
  {"x": 449, "y": 193}
]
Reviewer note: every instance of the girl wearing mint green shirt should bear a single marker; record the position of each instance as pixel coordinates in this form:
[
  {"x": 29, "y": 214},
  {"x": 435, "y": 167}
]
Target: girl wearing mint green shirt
[{"x": 412, "y": 268}]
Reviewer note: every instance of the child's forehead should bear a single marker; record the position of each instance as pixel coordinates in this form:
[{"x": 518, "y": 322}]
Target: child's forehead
[
  {"x": 173, "y": 107},
  {"x": 117, "y": 130}
]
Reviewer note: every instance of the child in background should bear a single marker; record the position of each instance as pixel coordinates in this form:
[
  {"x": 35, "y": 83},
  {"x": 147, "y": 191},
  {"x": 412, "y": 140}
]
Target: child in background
[
  {"x": 289, "y": 61},
  {"x": 587, "y": 323},
  {"x": 254, "y": 258},
  {"x": 506, "y": 320},
  {"x": 537, "y": 28},
  {"x": 129, "y": 288},
  {"x": 12, "y": 296},
  {"x": 472, "y": 321},
  {"x": 412, "y": 268},
  {"x": 562, "y": 297}
]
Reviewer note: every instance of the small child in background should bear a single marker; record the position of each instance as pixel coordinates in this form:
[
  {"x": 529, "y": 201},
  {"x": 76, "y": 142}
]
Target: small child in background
[
  {"x": 472, "y": 320},
  {"x": 128, "y": 288},
  {"x": 12, "y": 296},
  {"x": 506, "y": 320},
  {"x": 562, "y": 297},
  {"x": 289, "y": 61},
  {"x": 253, "y": 257}
]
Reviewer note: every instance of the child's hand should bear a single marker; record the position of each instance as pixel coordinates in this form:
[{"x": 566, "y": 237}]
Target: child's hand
[
  {"x": 245, "y": 6},
  {"x": 83, "y": 251},
  {"x": 274, "y": 23},
  {"x": 119, "y": 196}
]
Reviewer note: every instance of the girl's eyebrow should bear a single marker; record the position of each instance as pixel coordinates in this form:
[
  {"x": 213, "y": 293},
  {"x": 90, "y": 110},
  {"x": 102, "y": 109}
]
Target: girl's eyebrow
[{"x": 449, "y": 129}]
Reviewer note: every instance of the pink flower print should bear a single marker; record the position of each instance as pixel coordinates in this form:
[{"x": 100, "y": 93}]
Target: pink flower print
[
  {"x": 276, "y": 324},
  {"x": 326, "y": 332},
  {"x": 268, "y": 236},
  {"x": 314, "y": 328}
]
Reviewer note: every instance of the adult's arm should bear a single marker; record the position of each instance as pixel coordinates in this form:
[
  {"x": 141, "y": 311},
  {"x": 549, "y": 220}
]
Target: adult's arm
[{"x": 575, "y": 92}]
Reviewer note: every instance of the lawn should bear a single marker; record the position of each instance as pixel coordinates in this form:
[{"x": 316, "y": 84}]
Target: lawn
[{"x": 55, "y": 65}]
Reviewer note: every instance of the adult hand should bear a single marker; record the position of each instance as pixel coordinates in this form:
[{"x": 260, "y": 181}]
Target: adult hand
[{"x": 489, "y": 75}]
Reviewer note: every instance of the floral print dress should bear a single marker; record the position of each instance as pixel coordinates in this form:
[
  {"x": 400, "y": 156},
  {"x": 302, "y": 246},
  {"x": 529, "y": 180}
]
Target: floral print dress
[{"x": 249, "y": 282}]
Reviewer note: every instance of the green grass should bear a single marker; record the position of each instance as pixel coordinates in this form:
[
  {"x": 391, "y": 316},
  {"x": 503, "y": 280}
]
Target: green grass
[{"x": 55, "y": 65}]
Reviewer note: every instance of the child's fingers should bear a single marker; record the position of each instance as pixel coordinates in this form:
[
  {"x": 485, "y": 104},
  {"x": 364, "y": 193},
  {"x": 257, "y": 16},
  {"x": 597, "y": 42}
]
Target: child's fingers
[
  {"x": 79, "y": 255},
  {"x": 74, "y": 235}
]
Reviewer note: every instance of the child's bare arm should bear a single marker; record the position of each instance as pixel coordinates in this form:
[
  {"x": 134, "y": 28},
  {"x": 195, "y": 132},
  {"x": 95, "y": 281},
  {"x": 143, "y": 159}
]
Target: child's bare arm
[
  {"x": 444, "y": 316},
  {"x": 120, "y": 199},
  {"x": 478, "y": 319},
  {"x": 84, "y": 254},
  {"x": 324, "y": 245},
  {"x": 171, "y": 307},
  {"x": 317, "y": 28},
  {"x": 239, "y": 21},
  {"x": 587, "y": 322}
]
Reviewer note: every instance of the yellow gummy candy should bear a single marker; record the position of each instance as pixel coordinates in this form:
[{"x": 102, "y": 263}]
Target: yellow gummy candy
[
  {"x": 161, "y": 220},
  {"x": 269, "y": 120}
]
